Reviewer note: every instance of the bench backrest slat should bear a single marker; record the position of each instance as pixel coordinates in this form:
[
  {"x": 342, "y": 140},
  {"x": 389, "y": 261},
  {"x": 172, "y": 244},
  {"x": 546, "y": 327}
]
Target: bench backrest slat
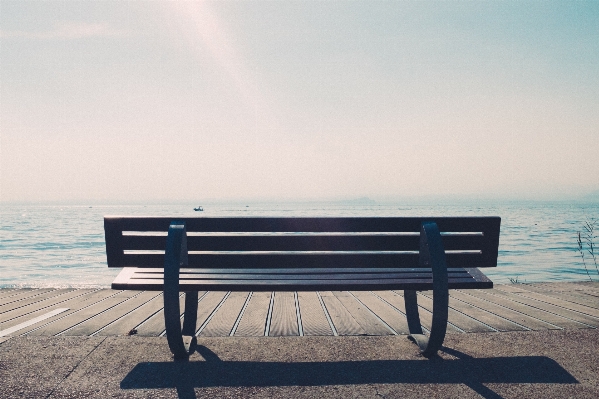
[{"x": 226, "y": 242}]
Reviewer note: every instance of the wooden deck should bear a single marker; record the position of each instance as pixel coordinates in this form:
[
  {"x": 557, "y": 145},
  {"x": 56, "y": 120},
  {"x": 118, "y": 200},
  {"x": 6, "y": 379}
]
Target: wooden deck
[{"x": 104, "y": 312}]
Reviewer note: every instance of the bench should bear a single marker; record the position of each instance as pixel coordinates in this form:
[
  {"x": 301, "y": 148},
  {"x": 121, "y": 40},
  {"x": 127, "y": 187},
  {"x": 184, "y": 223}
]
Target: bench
[{"x": 301, "y": 254}]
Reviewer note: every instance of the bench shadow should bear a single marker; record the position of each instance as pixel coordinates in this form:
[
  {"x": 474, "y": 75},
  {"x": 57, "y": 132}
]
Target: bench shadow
[{"x": 473, "y": 372}]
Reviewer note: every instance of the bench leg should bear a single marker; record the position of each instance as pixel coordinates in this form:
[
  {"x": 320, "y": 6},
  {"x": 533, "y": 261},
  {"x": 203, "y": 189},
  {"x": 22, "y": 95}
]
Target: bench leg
[
  {"x": 180, "y": 341},
  {"x": 432, "y": 255}
]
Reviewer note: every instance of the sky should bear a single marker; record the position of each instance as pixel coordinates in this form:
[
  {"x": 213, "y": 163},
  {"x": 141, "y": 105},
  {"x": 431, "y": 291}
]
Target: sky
[{"x": 139, "y": 101}]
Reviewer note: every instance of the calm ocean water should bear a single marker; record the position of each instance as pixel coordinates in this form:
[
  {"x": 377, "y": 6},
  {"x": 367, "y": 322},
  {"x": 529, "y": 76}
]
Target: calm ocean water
[{"x": 63, "y": 246}]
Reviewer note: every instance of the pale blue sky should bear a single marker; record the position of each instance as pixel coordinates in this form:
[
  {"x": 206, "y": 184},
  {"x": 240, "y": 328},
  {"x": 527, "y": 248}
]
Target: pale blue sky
[{"x": 174, "y": 101}]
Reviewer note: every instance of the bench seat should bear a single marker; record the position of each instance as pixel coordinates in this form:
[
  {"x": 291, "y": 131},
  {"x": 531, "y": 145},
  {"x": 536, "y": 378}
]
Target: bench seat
[{"x": 308, "y": 279}]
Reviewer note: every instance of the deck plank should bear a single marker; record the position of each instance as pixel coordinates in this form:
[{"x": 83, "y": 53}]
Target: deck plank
[
  {"x": 206, "y": 308},
  {"x": 314, "y": 320},
  {"x": 128, "y": 322},
  {"x": 69, "y": 303},
  {"x": 101, "y": 320},
  {"x": 284, "y": 316},
  {"x": 60, "y": 297},
  {"x": 221, "y": 324},
  {"x": 83, "y": 311},
  {"x": 390, "y": 315},
  {"x": 73, "y": 304},
  {"x": 576, "y": 296},
  {"x": 507, "y": 300},
  {"x": 560, "y": 302},
  {"x": 512, "y": 315},
  {"x": 343, "y": 321},
  {"x": 371, "y": 324},
  {"x": 12, "y": 302},
  {"x": 484, "y": 316},
  {"x": 154, "y": 326},
  {"x": 253, "y": 321},
  {"x": 457, "y": 319}
]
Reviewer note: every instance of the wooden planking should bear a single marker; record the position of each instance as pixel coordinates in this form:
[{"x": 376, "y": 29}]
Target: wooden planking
[
  {"x": 579, "y": 297},
  {"x": 498, "y": 305},
  {"x": 488, "y": 318},
  {"x": 283, "y": 321},
  {"x": 517, "y": 317},
  {"x": 558, "y": 310},
  {"x": 222, "y": 322},
  {"x": 154, "y": 326},
  {"x": 8, "y": 292},
  {"x": 506, "y": 300},
  {"x": 24, "y": 294},
  {"x": 314, "y": 320},
  {"x": 87, "y": 298},
  {"x": 128, "y": 322},
  {"x": 207, "y": 306},
  {"x": 457, "y": 319},
  {"x": 388, "y": 314},
  {"x": 102, "y": 319},
  {"x": 370, "y": 323},
  {"x": 13, "y": 316},
  {"x": 342, "y": 320},
  {"x": 253, "y": 321},
  {"x": 80, "y": 308},
  {"x": 560, "y": 302},
  {"x": 591, "y": 288}
]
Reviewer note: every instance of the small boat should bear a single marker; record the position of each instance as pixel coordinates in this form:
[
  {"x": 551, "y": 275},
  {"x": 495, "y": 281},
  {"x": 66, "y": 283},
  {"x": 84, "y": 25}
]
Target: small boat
[{"x": 198, "y": 209}]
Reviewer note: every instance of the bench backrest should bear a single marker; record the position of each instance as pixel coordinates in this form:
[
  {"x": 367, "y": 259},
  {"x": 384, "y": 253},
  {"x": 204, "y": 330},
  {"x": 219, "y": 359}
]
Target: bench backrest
[{"x": 296, "y": 242}]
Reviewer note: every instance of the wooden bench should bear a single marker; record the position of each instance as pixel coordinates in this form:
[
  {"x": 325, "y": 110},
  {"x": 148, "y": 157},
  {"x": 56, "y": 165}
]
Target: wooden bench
[{"x": 301, "y": 254}]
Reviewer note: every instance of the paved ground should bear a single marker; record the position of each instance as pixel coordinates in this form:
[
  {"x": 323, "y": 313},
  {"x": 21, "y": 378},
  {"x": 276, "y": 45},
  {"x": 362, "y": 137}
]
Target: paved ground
[{"x": 532, "y": 364}]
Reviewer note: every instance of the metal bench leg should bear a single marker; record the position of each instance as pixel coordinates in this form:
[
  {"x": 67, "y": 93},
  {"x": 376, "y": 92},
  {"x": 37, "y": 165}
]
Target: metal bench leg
[
  {"x": 180, "y": 341},
  {"x": 432, "y": 255}
]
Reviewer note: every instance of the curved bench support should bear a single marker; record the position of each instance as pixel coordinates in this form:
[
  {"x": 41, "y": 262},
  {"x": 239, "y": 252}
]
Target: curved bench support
[
  {"x": 432, "y": 255},
  {"x": 180, "y": 341}
]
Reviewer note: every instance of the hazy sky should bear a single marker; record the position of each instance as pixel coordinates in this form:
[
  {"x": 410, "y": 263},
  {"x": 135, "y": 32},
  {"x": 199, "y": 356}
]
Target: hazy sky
[{"x": 146, "y": 101}]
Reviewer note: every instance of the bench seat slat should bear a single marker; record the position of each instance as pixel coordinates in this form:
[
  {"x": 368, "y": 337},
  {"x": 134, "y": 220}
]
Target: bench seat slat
[
  {"x": 298, "y": 270},
  {"x": 301, "y": 281},
  {"x": 303, "y": 276}
]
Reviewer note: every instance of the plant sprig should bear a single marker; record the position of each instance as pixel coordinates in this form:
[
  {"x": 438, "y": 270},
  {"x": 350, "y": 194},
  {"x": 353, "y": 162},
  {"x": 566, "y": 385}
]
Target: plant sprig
[{"x": 586, "y": 244}]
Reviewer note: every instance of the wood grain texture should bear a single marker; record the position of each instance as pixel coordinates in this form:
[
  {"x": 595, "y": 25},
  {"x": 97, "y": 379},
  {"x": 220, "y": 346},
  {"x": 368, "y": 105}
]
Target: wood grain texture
[
  {"x": 207, "y": 306},
  {"x": 221, "y": 323},
  {"x": 9, "y": 302},
  {"x": 507, "y": 301},
  {"x": 95, "y": 323},
  {"x": 86, "y": 310},
  {"x": 314, "y": 320},
  {"x": 342, "y": 319},
  {"x": 284, "y": 317},
  {"x": 457, "y": 319},
  {"x": 130, "y": 321},
  {"x": 515, "y": 316},
  {"x": 253, "y": 320},
  {"x": 371, "y": 324},
  {"x": 154, "y": 326},
  {"x": 59, "y": 297},
  {"x": 561, "y": 303},
  {"x": 390, "y": 315},
  {"x": 483, "y": 316},
  {"x": 576, "y": 296}
]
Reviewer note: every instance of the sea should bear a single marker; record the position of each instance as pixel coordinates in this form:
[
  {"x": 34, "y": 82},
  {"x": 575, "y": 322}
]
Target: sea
[{"x": 63, "y": 246}]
